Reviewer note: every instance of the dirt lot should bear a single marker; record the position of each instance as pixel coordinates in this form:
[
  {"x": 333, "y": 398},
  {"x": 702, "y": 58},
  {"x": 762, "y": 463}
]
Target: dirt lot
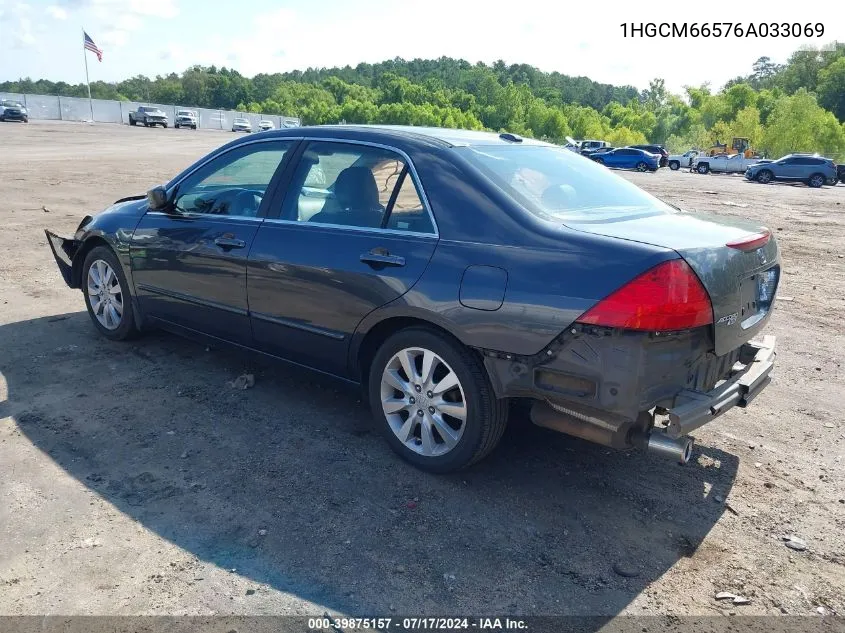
[{"x": 134, "y": 480}]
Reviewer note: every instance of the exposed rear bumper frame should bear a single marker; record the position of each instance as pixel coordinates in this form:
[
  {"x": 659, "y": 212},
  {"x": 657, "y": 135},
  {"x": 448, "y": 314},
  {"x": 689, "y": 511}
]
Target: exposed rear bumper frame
[{"x": 694, "y": 409}]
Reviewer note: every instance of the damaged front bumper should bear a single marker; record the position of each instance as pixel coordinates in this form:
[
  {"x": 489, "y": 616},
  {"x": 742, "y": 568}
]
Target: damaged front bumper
[
  {"x": 64, "y": 250},
  {"x": 751, "y": 374}
]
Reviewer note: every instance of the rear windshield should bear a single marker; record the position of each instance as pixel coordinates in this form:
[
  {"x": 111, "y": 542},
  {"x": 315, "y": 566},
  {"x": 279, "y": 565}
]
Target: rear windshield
[{"x": 556, "y": 184}]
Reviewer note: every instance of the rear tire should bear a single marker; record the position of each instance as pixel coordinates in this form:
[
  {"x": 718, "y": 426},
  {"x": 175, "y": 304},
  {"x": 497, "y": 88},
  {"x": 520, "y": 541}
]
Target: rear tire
[
  {"x": 815, "y": 181},
  {"x": 642, "y": 166},
  {"x": 107, "y": 295},
  {"x": 703, "y": 169},
  {"x": 674, "y": 165},
  {"x": 764, "y": 177},
  {"x": 411, "y": 418},
  {"x": 600, "y": 161}
]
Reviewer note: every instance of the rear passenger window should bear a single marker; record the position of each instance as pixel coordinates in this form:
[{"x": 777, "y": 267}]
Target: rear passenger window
[{"x": 345, "y": 184}]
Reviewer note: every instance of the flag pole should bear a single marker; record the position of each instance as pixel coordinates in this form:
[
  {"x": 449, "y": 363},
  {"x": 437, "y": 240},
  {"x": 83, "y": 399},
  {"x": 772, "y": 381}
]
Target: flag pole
[{"x": 87, "y": 82}]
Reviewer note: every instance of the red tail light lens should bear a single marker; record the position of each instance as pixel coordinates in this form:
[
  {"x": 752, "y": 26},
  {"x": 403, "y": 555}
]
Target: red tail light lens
[
  {"x": 751, "y": 242},
  {"x": 667, "y": 297}
]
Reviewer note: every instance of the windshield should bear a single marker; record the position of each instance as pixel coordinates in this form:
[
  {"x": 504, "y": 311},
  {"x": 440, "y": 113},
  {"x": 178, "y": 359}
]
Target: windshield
[
  {"x": 556, "y": 184},
  {"x": 10, "y": 104}
]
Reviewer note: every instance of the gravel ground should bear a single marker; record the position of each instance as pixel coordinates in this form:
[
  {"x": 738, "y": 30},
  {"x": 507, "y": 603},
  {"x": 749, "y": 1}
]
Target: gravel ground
[{"x": 134, "y": 480}]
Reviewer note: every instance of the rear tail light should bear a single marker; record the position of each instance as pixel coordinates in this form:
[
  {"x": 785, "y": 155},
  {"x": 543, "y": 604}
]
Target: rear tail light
[
  {"x": 667, "y": 297},
  {"x": 751, "y": 242}
]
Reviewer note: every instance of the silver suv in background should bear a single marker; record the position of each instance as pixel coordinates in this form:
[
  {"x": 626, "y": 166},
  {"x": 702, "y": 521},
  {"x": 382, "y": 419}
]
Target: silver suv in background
[
  {"x": 812, "y": 169},
  {"x": 185, "y": 118}
]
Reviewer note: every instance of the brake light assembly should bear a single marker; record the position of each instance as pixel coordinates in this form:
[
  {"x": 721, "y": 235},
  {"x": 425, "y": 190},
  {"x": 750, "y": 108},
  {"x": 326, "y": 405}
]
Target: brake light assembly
[{"x": 667, "y": 297}]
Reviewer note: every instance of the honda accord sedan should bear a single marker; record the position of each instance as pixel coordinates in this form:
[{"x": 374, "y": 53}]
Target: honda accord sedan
[{"x": 448, "y": 273}]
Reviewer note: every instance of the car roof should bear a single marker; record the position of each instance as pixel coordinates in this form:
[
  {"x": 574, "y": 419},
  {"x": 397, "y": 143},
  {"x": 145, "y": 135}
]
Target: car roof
[{"x": 445, "y": 137}]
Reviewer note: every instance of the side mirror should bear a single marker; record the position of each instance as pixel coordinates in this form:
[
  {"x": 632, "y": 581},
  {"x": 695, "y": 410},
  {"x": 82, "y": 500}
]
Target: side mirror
[{"x": 157, "y": 198}]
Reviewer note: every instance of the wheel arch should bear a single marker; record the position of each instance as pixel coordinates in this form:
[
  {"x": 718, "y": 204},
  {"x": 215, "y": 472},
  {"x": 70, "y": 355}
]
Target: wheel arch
[
  {"x": 367, "y": 340},
  {"x": 86, "y": 247}
]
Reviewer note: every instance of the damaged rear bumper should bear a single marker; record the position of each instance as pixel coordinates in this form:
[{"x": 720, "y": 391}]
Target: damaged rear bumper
[
  {"x": 64, "y": 250},
  {"x": 611, "y": 386},
  {"x": 694, "y": 409}
]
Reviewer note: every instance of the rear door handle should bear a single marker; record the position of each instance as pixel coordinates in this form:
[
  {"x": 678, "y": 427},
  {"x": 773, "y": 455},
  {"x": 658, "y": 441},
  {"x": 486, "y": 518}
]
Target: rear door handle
[
  {"x": 380, "y": 260},
  {"x": 227, "y": 243}
]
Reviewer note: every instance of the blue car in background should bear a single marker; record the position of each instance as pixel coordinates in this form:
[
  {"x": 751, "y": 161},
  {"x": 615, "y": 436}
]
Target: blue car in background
[{"x": 628, "y": 158}]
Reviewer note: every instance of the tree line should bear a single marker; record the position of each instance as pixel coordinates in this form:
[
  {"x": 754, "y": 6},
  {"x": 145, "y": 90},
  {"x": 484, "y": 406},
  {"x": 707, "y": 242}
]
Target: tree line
[{"x": 796, "y": 106}]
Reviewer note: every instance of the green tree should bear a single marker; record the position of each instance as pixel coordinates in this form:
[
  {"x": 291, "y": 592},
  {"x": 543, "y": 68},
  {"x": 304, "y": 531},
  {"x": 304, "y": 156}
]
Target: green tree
[
  {"x": 799, "y": 124},
  {"x": 831, "y": 88}
]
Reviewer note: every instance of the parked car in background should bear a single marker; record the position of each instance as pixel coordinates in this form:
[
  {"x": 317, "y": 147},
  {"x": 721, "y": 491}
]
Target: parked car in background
[
  {"x": 723, "y": 163},
  {"x": 288, "y": 123},
  {"x": 685, "y": 160},
  {"x": 185, "y": 118},
  {"x": 148, "y": 116},
  {"x": 812, "y": 169},
  {"x": 13, "y": 111},
  {"x": 590, "y": 145},
  {"x": 264, "y": 125},
  {"x": 589, "y": 153},
  {"x": 840, "y": 173},
  {"x": 628, "y": 158},
  {"x": 419, "y": 290},
  {"x": 241, "y": 124},
  {"x": 655, "y": 149}
]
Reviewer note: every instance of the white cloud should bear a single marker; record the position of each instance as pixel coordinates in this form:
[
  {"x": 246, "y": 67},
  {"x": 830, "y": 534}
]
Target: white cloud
[{"x": 57, "y": 12}]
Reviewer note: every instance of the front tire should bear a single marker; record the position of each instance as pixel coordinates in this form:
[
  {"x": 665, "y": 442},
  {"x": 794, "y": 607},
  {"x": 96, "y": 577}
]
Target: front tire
[
  {"x": 107, "y": 294},
  {"x": 132, "y": 121},
  {"x": 674, "y": 165},
  {"x": 433, "y": 402},
  {"x": 764, "y": 177}
]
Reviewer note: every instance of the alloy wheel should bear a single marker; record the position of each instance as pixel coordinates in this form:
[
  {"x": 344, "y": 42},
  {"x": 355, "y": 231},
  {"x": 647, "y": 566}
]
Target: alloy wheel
[
  {"x": 423, "y": 401},
  {"x": 105, "y": 294}
]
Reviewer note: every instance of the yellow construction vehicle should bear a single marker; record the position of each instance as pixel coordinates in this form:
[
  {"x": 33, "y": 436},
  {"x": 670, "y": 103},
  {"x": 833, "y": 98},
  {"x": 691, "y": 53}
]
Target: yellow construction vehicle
[{"x": 739, "y": 145}]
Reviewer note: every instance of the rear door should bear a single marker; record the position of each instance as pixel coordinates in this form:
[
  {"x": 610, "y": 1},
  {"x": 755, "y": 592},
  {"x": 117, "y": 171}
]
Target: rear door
[
  {"x": 189, "y": 265},
  {"x": 354, "y": 233}
]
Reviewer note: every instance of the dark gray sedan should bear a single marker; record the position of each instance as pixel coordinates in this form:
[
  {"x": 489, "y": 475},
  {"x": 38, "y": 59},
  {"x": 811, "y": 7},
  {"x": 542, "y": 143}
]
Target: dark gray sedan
[{"x": 449, "y": 273}]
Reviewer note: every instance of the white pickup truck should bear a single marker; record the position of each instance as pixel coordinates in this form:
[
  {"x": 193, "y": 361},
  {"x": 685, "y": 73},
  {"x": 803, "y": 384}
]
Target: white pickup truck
[
  {"x": 676, "y": 161},
  {"x": 723, "y": 163}
]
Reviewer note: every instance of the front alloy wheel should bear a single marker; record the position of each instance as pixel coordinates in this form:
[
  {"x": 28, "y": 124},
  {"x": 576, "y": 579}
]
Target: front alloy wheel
[
  {"x": 105, "y": 295},
  {"x": 423, "y": 401}
]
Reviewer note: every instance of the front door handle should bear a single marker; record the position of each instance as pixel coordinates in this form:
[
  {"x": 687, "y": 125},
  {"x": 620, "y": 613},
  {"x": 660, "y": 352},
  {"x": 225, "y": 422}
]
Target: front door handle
[
  {"x": 227, "y": 243},
  {"x": 379, "y": 258}
]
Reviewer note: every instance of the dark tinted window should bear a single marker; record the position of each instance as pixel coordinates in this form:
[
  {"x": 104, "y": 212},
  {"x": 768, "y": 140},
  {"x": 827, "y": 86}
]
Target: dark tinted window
[
  {"x": 234, "y": 183},
  {"x": 556, "y": 184},
  {"x": 347, "y": 184}
]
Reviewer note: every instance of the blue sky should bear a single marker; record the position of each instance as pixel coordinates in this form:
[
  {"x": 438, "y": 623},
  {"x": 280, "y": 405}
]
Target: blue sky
[{"x": 42, "y": 38}]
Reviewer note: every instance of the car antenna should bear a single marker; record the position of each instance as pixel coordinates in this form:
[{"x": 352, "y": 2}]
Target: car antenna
[{"x": 513, "y": 138}]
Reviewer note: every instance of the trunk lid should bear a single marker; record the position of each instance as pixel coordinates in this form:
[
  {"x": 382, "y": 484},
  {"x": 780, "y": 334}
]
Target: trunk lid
[{"x": 741, "y": 284}]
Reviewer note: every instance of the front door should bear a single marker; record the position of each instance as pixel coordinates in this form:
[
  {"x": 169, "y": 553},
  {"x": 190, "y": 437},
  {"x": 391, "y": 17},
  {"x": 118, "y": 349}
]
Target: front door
[
  {"x": 353, "y": 234},
  {"x": 189, "y": 263}
]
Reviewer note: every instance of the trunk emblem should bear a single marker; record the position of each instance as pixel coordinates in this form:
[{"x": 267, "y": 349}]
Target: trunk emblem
[{"x": 728, "y": 319}]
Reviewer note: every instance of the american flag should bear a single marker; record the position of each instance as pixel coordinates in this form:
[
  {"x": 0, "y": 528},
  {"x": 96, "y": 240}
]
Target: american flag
[{"x": 89, "y": 45}]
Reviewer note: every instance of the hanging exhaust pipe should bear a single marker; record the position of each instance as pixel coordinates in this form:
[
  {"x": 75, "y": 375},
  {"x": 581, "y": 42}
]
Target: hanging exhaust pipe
[{"x": 659, "y": 443}]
